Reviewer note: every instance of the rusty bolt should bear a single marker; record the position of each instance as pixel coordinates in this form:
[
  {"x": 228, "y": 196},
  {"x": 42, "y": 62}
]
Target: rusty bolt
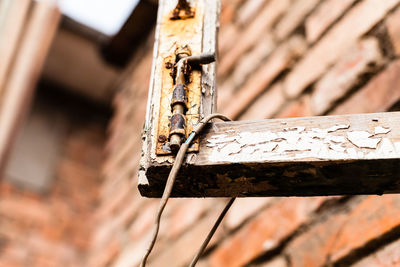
[{"x": 162, "y": 138}]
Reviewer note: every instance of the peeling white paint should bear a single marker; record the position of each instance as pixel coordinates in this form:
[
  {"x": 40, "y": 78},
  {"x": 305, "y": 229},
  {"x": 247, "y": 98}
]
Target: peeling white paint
[
  {"x": 336, "y": 139},
  {"x": 338, "y": 127},
  {"x": 269, "y": 244},
  {"x": 299, "y": 143},
  {"x": 362, "y": 139},
  {"x": 269, "y": 147},
  {"x": 397, "y": 147},
  {"x": 231, "y": 148},
  {"x": 381, "y": 130},
  {"x": 338, "y": 148}
]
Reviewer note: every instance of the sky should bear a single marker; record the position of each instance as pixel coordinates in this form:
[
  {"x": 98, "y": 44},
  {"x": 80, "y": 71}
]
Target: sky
[{"x": 106, "y": 16}]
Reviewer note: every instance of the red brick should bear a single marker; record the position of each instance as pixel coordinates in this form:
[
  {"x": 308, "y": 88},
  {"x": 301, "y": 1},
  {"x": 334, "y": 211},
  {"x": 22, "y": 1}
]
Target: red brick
[
  {"x": 107, "y": 208},
  {"x": 266, "y": 105},
  {"x": 280, "y": 60},
  {"x": 109, "y": 187},
  {"x": 364, "y": 57},
  {"x": 133, "y": 251},
  {"x": 14, "y": 252},
  {"x": 343, "y": 35},
  {"x": 114, "y": 224},
  {"x": 252, "y": 33},
  {"x": 28, "y": 211},
  {"x": 386, "y": 257},
  {"x": 324, "y": 16},
  {"x": 228, "y": 11},
  {"x": 393, "y": 27},
  {"x": 258, "y": 82},
  {"x": 186, "y": 214},
  {"x": 294, "y": 17},
  {"x": 342, "y": 233},
  {"x": 106, "y": 255},
  {"x": 181, "y": 251},
  {"x": 299, "y": 108},
  {"x": 144, "y": 221},
  {"x": 243, "y": 71},
  {"x": 276, "y": 262},
  {"x": 265, "y": 232},
  {"x": 248, "y": 11},
  {"x": 227, "y": 38},
  {"x": 377, "y": 96},
  {"x": 224, "y": 93},
  {"x": 243, "y": 209},
  {"x": 80, "y": 174},
  {"x": 251, "y": 61}
]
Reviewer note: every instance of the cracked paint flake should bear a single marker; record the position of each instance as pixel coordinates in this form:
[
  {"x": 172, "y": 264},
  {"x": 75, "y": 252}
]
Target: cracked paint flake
[
  {"x": 300, "y": 143},
  {"x": 336, "y": 139},
  {"x": 338, "y": 127},
  {"x": 269, "y": 147},
  {"x": 338, "y": 148},
  {"x": 381, "y": 130},
  {"x": 362, "y": 139}
]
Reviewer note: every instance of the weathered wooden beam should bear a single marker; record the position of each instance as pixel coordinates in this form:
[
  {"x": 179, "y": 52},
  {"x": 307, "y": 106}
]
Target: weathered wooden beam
[
  {"x": 18, "y": 90},
  {"x": 314, "y": 156}
]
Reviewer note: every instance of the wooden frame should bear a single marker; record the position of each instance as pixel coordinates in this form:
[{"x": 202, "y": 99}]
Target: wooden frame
[{"x": 331, "y": 155}]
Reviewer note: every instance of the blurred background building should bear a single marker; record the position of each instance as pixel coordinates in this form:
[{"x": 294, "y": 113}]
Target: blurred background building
[{"x": 73, "y": 90}]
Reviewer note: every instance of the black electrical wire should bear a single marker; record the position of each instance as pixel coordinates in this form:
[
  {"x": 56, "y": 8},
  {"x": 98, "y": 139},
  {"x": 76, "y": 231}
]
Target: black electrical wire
[{"x": 170, "y": 183}]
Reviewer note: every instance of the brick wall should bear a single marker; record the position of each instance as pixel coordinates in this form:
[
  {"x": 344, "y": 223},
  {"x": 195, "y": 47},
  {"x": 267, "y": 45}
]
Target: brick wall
[
  {"x": 278, "y": 58},
  {"x": 53, "y": 227}
]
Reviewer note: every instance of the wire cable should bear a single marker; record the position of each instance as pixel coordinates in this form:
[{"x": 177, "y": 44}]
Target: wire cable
[{"x": 171, "y": 180}]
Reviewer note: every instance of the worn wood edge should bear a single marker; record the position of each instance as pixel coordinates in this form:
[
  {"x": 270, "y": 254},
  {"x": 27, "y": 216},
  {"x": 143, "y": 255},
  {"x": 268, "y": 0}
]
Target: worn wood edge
[
  {"x": 210, "y": 44},
  {"x": 379, "y": 172},
  {"x": 146, "y": 133},
  {"x": 208, "y": 83}
]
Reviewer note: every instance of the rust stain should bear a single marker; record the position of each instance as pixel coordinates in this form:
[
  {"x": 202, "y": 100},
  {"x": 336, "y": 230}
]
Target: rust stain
[{"x": 179, "y": 33}]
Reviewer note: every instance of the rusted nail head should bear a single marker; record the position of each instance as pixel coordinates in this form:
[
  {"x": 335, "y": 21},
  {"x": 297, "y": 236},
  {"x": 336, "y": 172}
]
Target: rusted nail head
[
  {"x": 169, "y": 65},
  {"x": 162, "y": 138}
]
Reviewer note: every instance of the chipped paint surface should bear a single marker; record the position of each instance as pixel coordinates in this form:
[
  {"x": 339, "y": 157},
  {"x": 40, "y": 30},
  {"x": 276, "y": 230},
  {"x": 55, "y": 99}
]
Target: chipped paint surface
[
  {"x": 335, "y": 142},
  {"x": 363, "y": 139},
  {"x": 381, "y": 130}
]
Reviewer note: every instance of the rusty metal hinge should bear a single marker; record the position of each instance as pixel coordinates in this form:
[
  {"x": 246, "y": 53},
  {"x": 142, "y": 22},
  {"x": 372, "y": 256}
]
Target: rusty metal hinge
[
  {"x": 180, "y": 96},
  {"x": 179, "y": 103}
]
